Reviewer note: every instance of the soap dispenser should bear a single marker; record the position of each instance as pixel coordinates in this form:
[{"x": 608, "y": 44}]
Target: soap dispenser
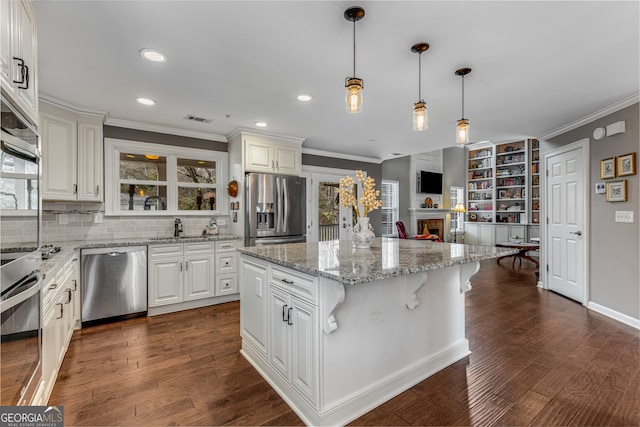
[{"x": 213, "y": 226}]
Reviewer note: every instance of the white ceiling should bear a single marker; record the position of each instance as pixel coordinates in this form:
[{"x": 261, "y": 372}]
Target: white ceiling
[{"x": 536, "y": 65}]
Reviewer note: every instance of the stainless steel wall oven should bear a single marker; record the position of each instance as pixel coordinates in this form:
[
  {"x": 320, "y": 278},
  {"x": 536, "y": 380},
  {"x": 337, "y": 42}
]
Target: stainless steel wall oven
[{"x": 20, "y": 278}]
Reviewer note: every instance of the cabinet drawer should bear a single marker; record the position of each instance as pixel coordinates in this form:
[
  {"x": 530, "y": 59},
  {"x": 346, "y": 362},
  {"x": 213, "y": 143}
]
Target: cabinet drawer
[
  {"x": 199, "y": 247},
  {"x": 226, "y": 245},
  {"x": 162, "y": 250},
  {"x": 299, "y": 284},
  {"x": 226, "y": 284},
  {"x": 227, "y": 263}
]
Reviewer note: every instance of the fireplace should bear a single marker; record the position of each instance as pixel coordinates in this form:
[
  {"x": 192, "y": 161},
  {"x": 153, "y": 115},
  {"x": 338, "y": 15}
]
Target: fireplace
[{"x": 431, "y": 226}]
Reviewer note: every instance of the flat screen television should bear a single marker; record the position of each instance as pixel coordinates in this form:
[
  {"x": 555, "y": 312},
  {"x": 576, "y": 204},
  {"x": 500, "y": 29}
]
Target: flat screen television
[{"x": 430, "y": 182}]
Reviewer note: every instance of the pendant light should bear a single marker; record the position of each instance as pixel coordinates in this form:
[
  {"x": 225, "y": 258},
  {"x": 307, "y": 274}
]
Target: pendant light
[
  {"x": 462, "y": 130},
  {"x": 420, "y": 113},
  {"x": 353, "y": 84}
]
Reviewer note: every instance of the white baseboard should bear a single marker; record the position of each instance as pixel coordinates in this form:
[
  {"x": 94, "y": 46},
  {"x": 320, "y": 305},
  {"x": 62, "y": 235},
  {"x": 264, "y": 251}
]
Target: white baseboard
[
  {"x": 616, "y": 315},
  {"x": 188, "y": 305}
]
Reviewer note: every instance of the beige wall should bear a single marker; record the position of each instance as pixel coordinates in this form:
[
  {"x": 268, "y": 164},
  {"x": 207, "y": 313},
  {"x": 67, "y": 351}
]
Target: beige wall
[{"x": 614, "y": 252}]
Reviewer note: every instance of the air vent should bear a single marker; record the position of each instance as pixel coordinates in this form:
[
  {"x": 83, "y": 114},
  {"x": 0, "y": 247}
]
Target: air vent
[{"x": 197, "y": 119}]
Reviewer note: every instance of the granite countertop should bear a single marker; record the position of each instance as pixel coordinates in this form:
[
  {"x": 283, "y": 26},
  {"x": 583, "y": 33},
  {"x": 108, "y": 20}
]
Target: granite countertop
[
  {"x": 68, "y": 249},
  {"x": 387, "y": 257}
]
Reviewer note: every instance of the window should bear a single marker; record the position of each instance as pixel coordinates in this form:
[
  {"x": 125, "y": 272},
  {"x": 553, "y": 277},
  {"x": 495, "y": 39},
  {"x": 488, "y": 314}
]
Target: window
[
  {"x": 389, "y": 207},
  {"x": 457, "y": 196},
  {"x": 142, "y": 178}
]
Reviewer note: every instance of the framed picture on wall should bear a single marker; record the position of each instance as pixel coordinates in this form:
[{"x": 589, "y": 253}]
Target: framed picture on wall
[
  {"x": 617, "y": 191},
  {"x": 627, "y": 164},
  {"x": 608, "y": 168}
]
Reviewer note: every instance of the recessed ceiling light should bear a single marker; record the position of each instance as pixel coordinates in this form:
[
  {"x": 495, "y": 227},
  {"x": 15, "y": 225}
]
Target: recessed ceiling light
[
  {"x": 153, "y": 55},
  {"x": 305, "y": 98},
  {"x": 261, "y": 124},
  {"x": 146, "y": 101}
]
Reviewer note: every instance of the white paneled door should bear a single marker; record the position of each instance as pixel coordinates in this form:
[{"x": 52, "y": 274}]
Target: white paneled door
[{"x": 566, "y": 222}]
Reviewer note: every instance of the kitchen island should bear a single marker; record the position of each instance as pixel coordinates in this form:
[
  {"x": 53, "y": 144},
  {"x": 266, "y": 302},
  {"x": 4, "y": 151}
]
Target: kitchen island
[{"x": 337, "y": 331}]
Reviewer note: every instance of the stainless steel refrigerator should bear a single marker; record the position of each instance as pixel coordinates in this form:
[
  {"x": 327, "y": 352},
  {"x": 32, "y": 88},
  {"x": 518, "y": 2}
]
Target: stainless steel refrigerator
[{"x": 275, "y": 209}]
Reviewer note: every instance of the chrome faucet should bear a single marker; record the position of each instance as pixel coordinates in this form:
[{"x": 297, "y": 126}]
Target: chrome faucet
[{"x": 177, "y": 227}]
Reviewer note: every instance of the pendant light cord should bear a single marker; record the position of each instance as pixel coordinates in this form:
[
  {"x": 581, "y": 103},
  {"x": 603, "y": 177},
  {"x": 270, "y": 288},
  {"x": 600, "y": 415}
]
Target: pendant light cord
[
  {"x": 463, "y": 96},
  {"x": 420, "y": 77},
  {"x": 354, "y": 47}
]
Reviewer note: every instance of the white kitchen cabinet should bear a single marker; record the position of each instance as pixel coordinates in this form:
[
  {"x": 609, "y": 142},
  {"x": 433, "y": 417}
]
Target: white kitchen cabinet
[
  {"x": 165, "y": 281},
  {"x": 19, "y": 56},
  {"x": 504, "y": 233},
  {"x": 270, "y": 156},
  {"x": 226, "y": 267},
  {"x": 198, "y": 271},
  {"x": 479, "y": 234},
  {"x": 293, "y": 326},
  {"x": 253, "y": 294},
  {"x": 72, "y": 153},
  {"x": 60, "y": 318},
  {"x": 180, "y": 272}
]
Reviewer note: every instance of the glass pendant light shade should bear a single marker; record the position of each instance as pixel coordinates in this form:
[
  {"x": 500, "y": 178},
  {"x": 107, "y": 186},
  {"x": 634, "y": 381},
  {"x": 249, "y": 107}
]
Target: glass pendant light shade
[
  {"x": 354, "y": 95},
  {"x": 353, "y": 84},
  {"x": 462, "y": 131},
  {"x": 420, "y": 116}
]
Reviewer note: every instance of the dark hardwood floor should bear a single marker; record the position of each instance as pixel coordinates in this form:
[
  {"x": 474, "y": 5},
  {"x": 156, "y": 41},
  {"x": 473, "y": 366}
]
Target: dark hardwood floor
[{"x": 537, "y": 359}]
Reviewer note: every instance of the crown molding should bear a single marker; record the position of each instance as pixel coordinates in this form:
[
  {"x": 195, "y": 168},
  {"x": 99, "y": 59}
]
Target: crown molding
[
  {"x": 121, "y": 123},
  {"x": 248, "y": 131},
  {"x": 59, "y": 103},
  {"x": 323, "y": 153},
  {"x": 616, "y": 106}
]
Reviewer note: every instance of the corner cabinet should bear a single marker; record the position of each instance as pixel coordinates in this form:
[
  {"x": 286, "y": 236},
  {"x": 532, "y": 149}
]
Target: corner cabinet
[
  {"x": 72, "y": 153},
  {"x": 19, "y": 56}
]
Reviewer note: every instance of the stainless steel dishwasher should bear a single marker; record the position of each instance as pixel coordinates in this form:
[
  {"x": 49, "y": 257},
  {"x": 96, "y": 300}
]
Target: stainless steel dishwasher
[{"x": 114, "y": 283}]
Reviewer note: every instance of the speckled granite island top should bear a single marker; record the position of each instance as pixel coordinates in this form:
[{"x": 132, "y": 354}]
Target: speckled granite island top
[{"x": 387, "y": 257}]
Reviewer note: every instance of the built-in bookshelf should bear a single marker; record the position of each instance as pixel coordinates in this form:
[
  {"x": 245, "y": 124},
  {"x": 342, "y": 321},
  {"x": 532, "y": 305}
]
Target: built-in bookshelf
[
  {"x": 511, "y": 182},
  {"x": 534, "y": 157},
  {"x": 480, "y": 184},
  {"x": 503, "y": 183}
]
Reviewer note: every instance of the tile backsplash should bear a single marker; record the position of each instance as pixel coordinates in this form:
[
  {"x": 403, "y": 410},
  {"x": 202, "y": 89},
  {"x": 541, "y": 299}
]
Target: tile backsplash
[{"x": 81, "y": 225}]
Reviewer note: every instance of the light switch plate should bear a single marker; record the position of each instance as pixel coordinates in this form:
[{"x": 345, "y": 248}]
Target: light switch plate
[
  {"x": 624, "y": 216},
  {"x": 258, "y": 287},
  {"x": 222, "y": 221},
  {"x": 63, "y": 219},
  {"x": 98, "y": 218}
]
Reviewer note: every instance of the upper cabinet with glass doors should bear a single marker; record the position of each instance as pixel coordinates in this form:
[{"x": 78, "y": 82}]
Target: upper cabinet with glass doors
[{"x": 143, "y": 179}]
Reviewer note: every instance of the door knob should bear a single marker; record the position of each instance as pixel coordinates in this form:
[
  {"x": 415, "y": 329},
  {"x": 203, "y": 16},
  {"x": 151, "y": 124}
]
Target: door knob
[{"x": 578, "y": 233}]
